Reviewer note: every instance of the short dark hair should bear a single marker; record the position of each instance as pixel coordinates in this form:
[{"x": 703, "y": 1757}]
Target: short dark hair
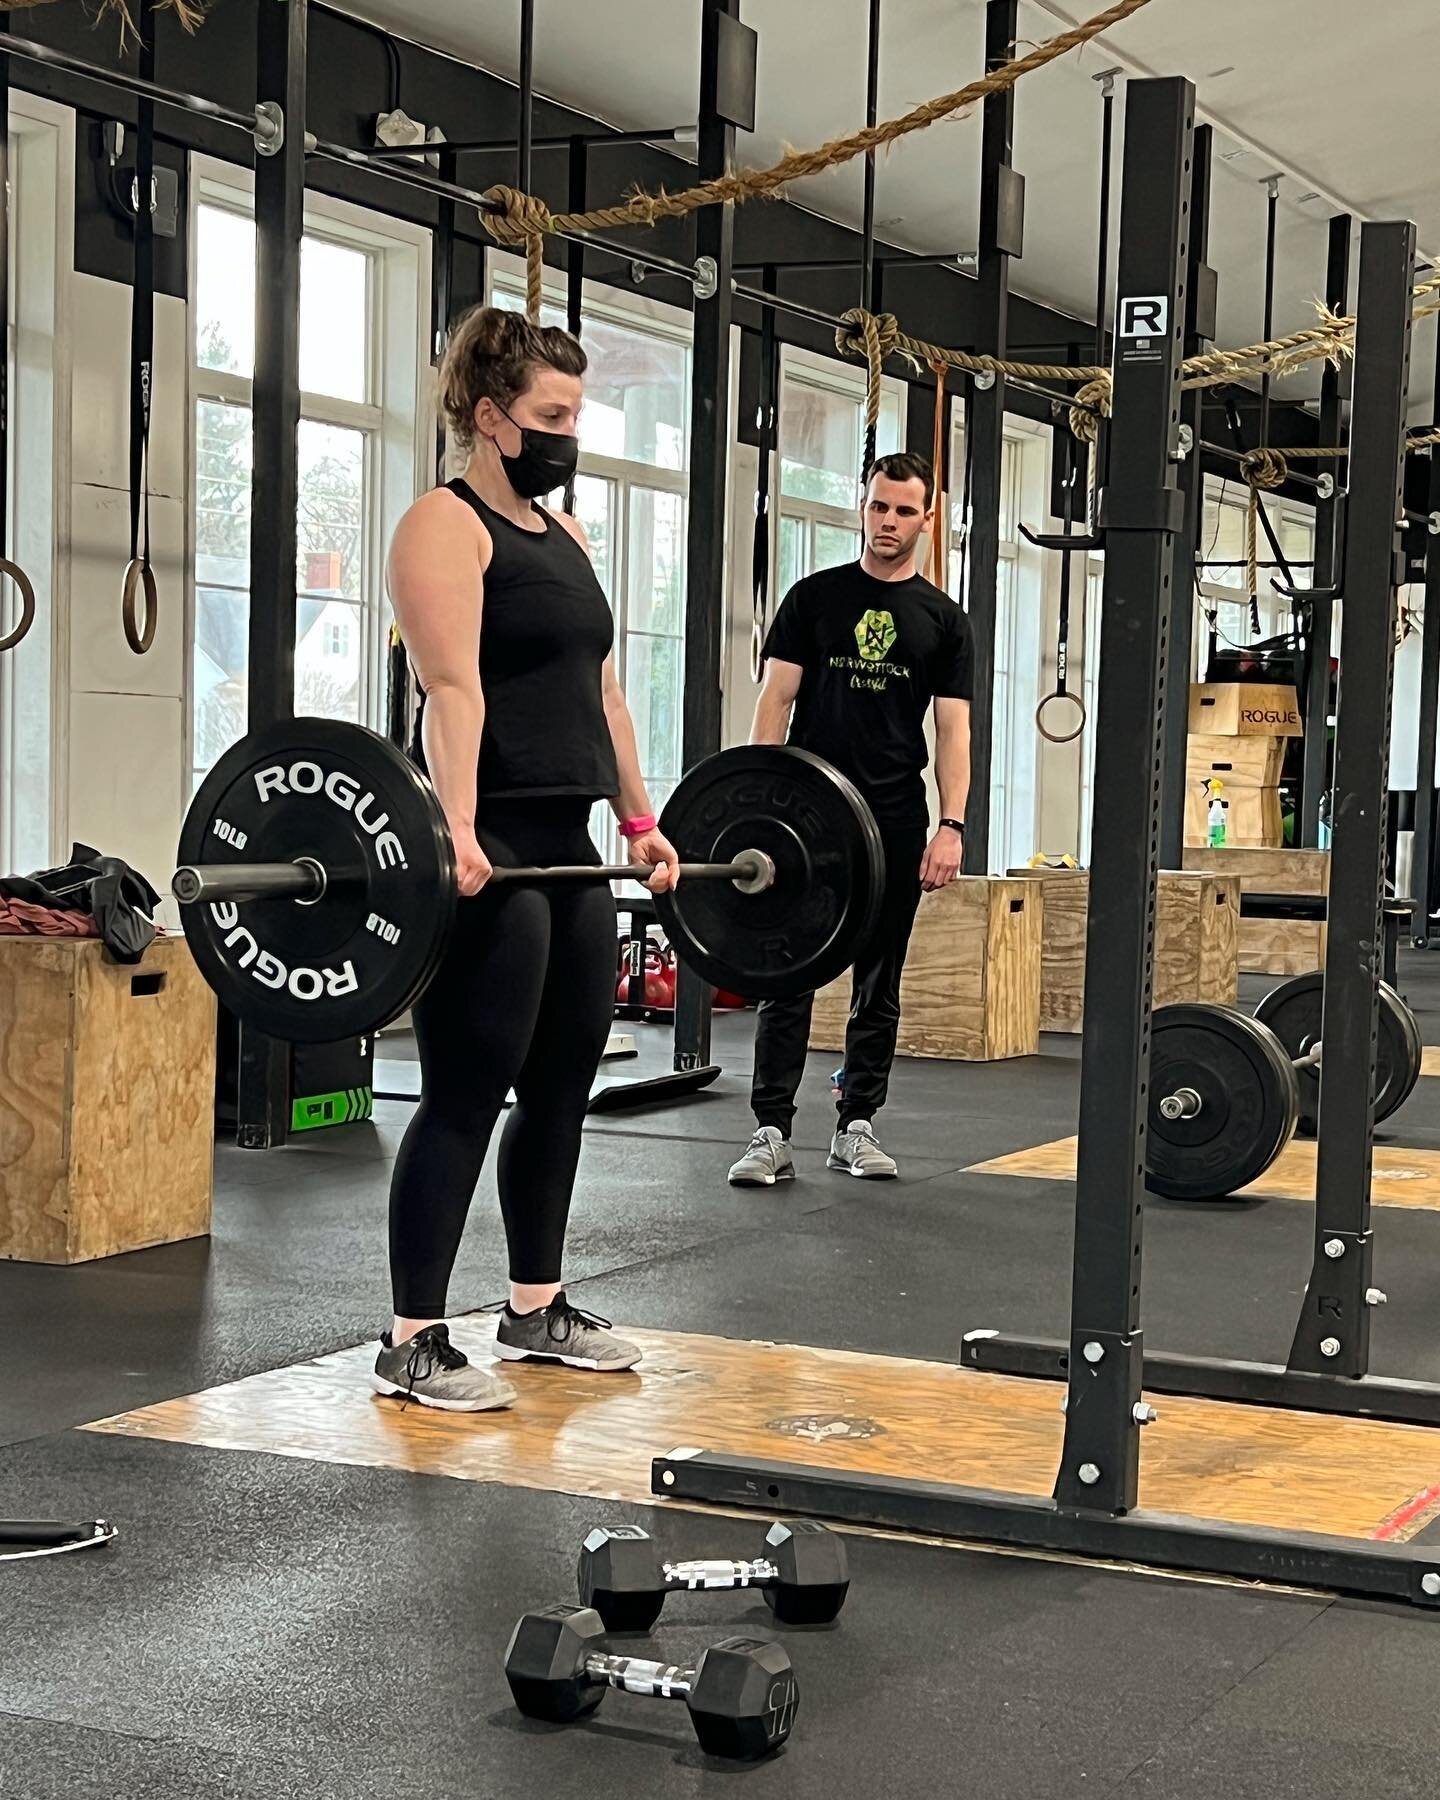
[{"x": 904, "y": 465}]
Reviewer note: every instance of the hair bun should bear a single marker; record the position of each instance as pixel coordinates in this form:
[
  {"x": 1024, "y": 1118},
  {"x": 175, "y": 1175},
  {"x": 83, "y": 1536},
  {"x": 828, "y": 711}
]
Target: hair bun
[{"x": 492, "y": 353}]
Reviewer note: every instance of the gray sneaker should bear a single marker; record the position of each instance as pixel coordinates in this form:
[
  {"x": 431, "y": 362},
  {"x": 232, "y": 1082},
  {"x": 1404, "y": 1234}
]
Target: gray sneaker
[
  {"x": 562, "y": 1333},
  {"x": 858, "y": 1152},
  {"x": 767, "y": 1159},
  {"x": 428, "y": 1368}
]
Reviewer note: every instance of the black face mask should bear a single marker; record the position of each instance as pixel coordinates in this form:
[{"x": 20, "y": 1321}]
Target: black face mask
[{"x": 546, "y": 461}]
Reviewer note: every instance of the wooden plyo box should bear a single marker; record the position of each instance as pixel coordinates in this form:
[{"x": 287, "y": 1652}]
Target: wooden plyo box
[
  {"x": 971, "y": 988},
  {"x": 1244, "y": 709},
  {"x": 107, "y": 1099},
  {"x": 1236, "y": 762},
  {"x": 1196, "y": 942},
  {"x": 1253, "y": 818},
  {"x": 1273, "y": 946}
]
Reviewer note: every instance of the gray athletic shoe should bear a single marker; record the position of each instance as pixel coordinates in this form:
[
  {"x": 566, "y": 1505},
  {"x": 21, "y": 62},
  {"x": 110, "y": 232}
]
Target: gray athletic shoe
[
  {"x": 428, "y": 1368},
  {"x": 858, "y": 1152},
  {"x": 767, "y": 1159},
  {"x": 562, "y": 1333}
]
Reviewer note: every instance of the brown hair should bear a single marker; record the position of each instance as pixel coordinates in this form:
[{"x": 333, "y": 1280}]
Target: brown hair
[
  {"x": 491, "y": 355},
  {"x": 904, "y": 465}
]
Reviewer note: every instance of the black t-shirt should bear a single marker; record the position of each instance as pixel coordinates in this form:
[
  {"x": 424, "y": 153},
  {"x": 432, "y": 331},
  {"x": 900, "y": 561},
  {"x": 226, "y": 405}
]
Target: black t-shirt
[{"x": 875, "y": 654}]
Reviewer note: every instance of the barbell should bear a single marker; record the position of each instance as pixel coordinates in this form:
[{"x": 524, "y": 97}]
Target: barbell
[
  {"x": 318, "y": 891},
  {"x": 1228, "y": 1091}
]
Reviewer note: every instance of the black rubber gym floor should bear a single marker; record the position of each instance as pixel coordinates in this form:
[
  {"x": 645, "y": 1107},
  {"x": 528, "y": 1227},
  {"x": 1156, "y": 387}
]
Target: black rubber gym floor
[{"x": 268, "y": 1626}]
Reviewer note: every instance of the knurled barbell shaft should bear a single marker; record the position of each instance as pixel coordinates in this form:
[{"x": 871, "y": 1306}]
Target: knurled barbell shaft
[
  {"x": 198, "y": 883},
  {"x": 726, "y": 871}
]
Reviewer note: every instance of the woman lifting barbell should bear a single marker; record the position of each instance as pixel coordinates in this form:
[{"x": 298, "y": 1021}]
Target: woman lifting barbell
[{"x": 522, "y": 727}]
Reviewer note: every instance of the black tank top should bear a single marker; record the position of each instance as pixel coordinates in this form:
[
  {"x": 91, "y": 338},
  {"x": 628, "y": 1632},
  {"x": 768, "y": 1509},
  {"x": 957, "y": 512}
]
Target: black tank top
[{"x": 545, "y": 632}]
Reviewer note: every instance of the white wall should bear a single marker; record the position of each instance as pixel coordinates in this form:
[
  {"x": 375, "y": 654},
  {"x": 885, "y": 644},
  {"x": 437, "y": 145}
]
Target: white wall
[{"x": 124, "y": 787}]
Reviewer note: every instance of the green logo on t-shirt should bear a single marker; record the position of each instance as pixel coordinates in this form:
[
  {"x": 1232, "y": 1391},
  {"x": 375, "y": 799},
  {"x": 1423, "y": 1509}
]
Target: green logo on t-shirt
[{"x": 874, "y": 635}]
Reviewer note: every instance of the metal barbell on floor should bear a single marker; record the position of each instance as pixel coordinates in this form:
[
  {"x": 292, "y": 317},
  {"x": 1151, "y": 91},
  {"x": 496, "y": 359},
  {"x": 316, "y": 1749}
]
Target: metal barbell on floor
[
  {"x": 317, "y": 877},
  {"x": 1228, "y": 1091}
]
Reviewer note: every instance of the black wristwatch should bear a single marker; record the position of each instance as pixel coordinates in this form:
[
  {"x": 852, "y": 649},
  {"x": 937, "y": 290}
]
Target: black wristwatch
[{"x": 955, "y": 825}]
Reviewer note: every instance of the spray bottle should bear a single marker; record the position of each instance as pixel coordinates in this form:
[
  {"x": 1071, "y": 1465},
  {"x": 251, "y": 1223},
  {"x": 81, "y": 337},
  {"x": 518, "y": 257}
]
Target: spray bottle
[{"x": 1215, "y": 824}]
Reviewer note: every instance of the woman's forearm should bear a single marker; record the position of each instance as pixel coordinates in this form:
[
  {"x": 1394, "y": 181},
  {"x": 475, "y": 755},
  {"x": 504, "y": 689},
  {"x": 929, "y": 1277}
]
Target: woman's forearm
[
  {"x": 450, "y": 729},
  {"x": 632, "y": 802}
]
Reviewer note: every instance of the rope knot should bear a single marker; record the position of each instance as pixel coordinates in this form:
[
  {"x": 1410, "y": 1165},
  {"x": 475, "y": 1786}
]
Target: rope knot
[
  {"x": 1084, "y": 423},
  {"x": 524, "y": 217},
  {"x": 874, "y": 335},
  {"x": 1263, "y": 468}
]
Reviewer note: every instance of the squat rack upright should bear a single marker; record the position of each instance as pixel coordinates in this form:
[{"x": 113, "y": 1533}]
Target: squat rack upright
[{"x": 1093, "y": 1510}]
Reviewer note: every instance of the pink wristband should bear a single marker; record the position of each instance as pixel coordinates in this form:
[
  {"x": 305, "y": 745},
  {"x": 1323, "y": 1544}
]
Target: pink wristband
[{"x": 633, "y": 828}]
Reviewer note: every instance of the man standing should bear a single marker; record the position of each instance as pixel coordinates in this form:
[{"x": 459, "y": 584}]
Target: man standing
[{"x": 853, "y": 661}]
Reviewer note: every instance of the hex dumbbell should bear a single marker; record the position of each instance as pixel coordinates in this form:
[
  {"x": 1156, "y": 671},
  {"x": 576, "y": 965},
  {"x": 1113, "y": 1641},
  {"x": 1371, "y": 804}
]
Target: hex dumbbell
[
  {"x": 803, "y": 1575},
  {"x": 741, "y": 1694}
]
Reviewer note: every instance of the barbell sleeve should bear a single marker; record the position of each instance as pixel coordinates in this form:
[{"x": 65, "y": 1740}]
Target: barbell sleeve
[{"x": 197, "y": 883}]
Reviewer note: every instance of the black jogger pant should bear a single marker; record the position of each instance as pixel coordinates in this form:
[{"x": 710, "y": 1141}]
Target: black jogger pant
[
  {"x": 782, "y": 1027},
  {"x": 524, "y": 999}
]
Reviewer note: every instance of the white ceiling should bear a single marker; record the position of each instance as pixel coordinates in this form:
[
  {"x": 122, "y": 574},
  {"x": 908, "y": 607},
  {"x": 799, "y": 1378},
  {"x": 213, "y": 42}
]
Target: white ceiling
[{"x": 1333, "y": 95}]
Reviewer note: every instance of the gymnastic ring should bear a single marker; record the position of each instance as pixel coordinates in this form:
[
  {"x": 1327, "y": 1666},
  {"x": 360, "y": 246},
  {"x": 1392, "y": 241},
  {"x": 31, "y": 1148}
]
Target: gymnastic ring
[
  {"x": 27, "y": 603},
  {"x": 138, "y": 575},
  {"x": 1059, "y": 737}
]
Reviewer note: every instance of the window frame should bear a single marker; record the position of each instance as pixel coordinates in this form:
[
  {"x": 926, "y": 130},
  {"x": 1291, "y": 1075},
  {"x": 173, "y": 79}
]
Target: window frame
[
  {"x": 397, "y": 422},
  {"x": 850, "y": 383},
  {"x": 1275, "y": 609},
  {"x": 1020, "y": 596},
  {"x": 37, "y": 535}
]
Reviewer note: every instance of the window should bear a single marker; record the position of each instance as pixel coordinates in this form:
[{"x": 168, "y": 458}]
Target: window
[
  {"x": 361, "y": 300},
  {"x": 1019, "y": 599},
  {"x": 1221, "y": 576},
  {"x": 822, "y": 443},
  {"x": 631, "y": 495},
  {"x": 42, "y": 157}
]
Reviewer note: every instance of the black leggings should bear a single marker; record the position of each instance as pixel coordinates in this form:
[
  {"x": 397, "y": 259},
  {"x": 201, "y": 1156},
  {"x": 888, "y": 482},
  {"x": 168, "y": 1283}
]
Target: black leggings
[{"x": 523, "y": 999}]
